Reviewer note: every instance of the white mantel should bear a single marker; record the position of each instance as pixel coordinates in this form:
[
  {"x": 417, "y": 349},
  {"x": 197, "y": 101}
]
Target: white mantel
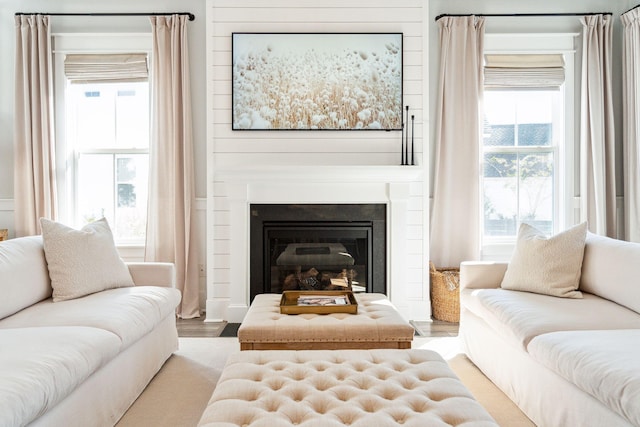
[{"x": 390, "y": 185}]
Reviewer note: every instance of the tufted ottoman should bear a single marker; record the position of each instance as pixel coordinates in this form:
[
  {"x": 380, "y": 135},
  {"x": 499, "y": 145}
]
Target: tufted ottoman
[
  {"x": 377, "y": 325},
  {"x": 323, "y": 388}
]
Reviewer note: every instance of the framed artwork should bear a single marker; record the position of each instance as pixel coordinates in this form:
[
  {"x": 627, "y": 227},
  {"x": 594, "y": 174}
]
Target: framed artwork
[{"x": 317, "y": 81}]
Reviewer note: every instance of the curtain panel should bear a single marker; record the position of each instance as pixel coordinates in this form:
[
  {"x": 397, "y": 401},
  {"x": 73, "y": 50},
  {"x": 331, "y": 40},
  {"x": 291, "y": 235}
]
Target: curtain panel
[
  {"x": 455, "y": 217},
  {"x": 34, "y": 150},
  {"x": 631, "y": 122},
  {"x": 597, "y": 139},
  {"x": 170, "y": 220}
]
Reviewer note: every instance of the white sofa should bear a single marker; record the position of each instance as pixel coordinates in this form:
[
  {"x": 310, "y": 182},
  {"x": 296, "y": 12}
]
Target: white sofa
[
  {"x": 563, "y": 361},
  {"x": 83, "y": 361}
]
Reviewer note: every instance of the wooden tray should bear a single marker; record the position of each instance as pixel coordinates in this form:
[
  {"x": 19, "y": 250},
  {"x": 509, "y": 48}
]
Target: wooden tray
[{"x": 289, "y": 303}]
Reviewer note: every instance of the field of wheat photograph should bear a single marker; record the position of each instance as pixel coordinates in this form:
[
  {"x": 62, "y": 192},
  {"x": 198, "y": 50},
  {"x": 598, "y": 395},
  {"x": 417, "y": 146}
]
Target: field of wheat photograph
[{"x": 309, "y": 81}]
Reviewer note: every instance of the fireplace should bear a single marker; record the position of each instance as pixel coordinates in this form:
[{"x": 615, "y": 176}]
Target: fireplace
[
  {"x": 398, "y": 218},
  {"x": 317, "y": 247}
]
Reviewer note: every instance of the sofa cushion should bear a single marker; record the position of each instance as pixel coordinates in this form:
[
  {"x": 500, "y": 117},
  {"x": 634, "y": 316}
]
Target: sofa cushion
[
  {"x": 39, "y": 367},
  {"x": 611, "y": 270},
  {"x": 605, "y": 364},
  {"x": 549, "y": 266},
  {"x": 129, "y": 313},
  {"x": 521, "y": 316},
  {"x": 24, "y": 279},
  {"x": 83, "y": 261}
]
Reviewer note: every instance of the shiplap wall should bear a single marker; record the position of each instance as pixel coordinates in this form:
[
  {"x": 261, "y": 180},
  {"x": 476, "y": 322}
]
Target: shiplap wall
[{"x": 229, "y": 149}]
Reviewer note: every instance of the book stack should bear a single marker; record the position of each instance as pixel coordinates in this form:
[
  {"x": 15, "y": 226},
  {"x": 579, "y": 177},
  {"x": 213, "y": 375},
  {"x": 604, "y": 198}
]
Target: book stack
[{"x": 323, "y": 300}]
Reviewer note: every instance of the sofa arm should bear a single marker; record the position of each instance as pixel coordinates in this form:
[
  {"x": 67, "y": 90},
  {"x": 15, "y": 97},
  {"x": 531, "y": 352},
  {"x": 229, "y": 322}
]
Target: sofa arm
[
  {"x": 481, "y": 274},
  {"x": 153, "y": 274}
]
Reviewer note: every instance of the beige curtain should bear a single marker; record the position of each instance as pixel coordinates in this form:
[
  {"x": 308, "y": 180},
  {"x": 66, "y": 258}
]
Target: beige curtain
[
  {"x": 631, "y": 122},
  {"x": 34, "y": 168},
  {"x": 170, "y": 221},
  {"x": 597, "y": 155},
  {"x": 455, "y": 218}
]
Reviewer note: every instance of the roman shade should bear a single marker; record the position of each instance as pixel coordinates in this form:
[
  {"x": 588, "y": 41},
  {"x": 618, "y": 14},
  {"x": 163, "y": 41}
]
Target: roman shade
[
  {"x": 106, "y": 68},
  {"x": 523, "y": 70}
]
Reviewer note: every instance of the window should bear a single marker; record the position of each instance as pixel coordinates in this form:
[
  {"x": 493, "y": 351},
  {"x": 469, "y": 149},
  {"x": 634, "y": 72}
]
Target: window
[
  {"x": 102, "y": 104},
  {"x": 107, "y": 125},
  {"x": 527, "y": 144},
  {"x": 520, "y": 151}
]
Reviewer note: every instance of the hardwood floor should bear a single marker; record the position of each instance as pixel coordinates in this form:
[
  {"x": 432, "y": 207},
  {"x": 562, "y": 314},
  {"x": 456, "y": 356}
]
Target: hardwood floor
[{"x": 199, "y": 328}]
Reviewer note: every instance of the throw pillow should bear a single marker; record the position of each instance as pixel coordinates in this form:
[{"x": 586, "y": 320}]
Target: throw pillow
[
  {"x": 549, "y": 266},
  {"x": 82, "y": 262}
]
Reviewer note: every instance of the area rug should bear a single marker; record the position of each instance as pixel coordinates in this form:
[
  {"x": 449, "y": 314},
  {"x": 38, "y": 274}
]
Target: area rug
[{"x": 179, "y": 393}]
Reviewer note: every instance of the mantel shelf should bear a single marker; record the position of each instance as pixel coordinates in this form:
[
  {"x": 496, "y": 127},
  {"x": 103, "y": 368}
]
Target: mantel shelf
[{"x": 331, "y": 173}]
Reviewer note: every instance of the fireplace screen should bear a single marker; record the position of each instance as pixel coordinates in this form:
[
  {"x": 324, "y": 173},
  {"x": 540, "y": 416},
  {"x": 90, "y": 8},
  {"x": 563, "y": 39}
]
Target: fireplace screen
[
  {"x": 317, "y": 257},
  {"x": 317, "y": 247}
]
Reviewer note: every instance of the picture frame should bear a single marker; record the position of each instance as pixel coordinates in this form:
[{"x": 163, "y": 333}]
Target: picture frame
[{"x": 317, "y": 81}]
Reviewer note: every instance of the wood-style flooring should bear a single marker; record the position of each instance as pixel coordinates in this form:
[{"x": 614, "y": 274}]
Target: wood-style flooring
[{"x": 199, "y": 328}]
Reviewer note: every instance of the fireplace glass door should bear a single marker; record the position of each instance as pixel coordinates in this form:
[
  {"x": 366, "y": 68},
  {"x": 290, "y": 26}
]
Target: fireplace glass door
[
  {"x": 317, "y": 256},
  {"x": 317, "y": 247}
]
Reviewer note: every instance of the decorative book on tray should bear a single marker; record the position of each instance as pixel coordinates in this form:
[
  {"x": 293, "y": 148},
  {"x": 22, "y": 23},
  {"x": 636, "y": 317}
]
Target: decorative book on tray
[{"x": 318, "y": 302}]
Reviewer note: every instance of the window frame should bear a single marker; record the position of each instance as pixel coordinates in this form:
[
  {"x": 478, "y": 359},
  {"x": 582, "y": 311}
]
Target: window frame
[
  {"x": 66, "y": 155},
  {"x": 501, "y": 248}
]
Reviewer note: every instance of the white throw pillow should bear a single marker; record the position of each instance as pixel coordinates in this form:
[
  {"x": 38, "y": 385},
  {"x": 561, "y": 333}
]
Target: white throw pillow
[
  {"x": 549, "y": 266},
  {"x": 82, "y": 262}
]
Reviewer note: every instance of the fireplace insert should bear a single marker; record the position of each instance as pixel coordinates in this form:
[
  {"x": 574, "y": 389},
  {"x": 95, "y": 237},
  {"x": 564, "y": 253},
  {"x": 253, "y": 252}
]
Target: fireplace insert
[{"x": 317, "y": 247}]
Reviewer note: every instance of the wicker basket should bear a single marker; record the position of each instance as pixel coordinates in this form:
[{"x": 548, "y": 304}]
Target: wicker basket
[{"x": 445, "y": 293}]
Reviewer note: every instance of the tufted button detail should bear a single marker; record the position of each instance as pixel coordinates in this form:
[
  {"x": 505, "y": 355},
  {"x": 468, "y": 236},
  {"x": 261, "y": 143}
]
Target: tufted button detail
[{"x": 355, "y": 387}]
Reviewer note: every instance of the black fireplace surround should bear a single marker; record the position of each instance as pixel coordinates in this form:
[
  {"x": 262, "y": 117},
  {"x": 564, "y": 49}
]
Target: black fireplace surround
[{"x": 317, "y": 247}]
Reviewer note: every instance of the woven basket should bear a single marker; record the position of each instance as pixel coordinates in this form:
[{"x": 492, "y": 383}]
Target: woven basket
[{"x": 445, "y": 293}]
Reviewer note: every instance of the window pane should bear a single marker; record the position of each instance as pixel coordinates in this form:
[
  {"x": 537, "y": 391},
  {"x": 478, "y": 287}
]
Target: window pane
[
  {"x": 522, "y": 118},
  {"x": 131, "y": 212},
  {"x": 132, "y": 115},
  {"x": 95, "y": 188},
  {"x": 94, "y": 123},
  {"x": 114, "y": 186},
  {"x": 536, "y": 190},
  {"x": 499, "y": 135},
  {"x": 110, "y": 115},
  {"x": 500, "y": 188},
  {"x": 534, "y": 134},
  {"x": 516, "y": 188},
  {"x": 535, "y": 107}
]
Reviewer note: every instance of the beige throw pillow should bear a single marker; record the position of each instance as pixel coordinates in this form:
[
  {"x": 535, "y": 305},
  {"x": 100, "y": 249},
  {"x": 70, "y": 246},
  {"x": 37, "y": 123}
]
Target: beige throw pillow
[
  {"x": 549, "y": 266},
  {"x": 84, "y": 261}
]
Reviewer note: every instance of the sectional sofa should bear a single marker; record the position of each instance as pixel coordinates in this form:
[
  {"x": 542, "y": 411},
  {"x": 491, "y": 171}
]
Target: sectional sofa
[
  {"x": 565, "y": 360},
  {"x": 79, "y": 360}
]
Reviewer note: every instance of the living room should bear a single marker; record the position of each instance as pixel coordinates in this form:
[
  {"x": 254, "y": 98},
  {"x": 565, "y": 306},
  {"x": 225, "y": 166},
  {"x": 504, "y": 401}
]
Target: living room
[
  {"x": 234, "y": 169},
  {"x": 219, "y": 150}
]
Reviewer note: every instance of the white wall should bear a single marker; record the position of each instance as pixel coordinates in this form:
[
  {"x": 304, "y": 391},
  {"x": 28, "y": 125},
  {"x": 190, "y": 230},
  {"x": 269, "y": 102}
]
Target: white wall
[{"x": 240, "y": 149}]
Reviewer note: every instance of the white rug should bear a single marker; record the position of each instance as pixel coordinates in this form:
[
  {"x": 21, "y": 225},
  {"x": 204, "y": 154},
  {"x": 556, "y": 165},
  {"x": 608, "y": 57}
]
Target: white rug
[{"x": 179, "y": 393}]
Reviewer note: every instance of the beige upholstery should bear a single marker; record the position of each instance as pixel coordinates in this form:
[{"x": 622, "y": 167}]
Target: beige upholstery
[
  {"x": 335, "y": 388},
  {"x": 377, "y": 325},
  {"x": 582, "y": 353}
]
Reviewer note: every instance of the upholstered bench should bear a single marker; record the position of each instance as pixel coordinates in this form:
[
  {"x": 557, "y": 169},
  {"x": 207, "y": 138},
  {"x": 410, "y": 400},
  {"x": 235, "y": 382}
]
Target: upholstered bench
[
  {"x": 376, "y": 325},
  {"x": 323, "y": 388}
]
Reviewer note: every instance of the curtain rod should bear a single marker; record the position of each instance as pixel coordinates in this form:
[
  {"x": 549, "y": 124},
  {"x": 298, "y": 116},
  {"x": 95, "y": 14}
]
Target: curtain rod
[
  {"x": 190, "y": 15},
  {"x": 634, "y": 7},
  {"x": 525, "y": 14}
]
